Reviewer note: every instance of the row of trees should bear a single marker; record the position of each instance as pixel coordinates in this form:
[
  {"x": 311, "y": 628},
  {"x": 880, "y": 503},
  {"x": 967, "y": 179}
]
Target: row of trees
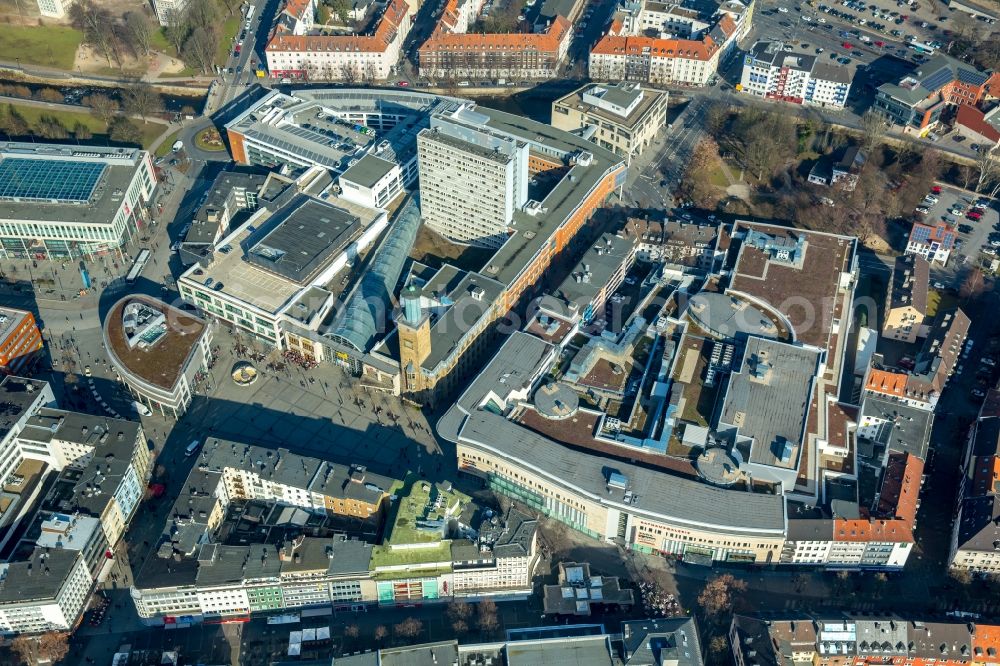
[
  {"x": 14, "y": 125},
  {"x": 461, "y": 616}
]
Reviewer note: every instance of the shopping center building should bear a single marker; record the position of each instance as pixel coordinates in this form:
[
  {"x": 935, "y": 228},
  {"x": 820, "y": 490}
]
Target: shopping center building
[{"x": 62, "y": 202}]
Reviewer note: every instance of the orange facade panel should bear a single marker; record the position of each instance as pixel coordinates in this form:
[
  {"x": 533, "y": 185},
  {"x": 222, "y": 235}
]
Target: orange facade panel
[
  {"x": 21, "y": 345},
  {"x": 237, "y": 148}
]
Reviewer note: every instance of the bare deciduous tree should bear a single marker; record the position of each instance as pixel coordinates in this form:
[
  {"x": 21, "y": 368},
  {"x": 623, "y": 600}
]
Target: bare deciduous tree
[
  {"x": 141, "y": 99},
  {"x": 102, "y": 106},
  {"x": 487, "y": 616},
  {"x": 409, "y": 628},
  {"x": 716, "y": 598},
  {"x": 140, "y": 32}
]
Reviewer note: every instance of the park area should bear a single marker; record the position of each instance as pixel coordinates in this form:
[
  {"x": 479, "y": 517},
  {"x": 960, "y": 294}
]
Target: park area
[
  {"x": 45, "y": 46},
  {"x": 25, "y": 119}
]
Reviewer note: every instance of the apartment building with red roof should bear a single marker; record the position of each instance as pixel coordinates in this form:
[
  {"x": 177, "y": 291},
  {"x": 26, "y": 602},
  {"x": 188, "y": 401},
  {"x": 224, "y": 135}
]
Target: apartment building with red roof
[
  {"x": 691, "y": 61},
  {"x": 453, "y": 53},
  {"x": 294, "y": 53}
]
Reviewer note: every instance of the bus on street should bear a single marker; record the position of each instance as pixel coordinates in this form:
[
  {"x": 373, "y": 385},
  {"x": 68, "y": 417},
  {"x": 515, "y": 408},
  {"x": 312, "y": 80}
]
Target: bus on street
[{"x": 136, "y": 270}]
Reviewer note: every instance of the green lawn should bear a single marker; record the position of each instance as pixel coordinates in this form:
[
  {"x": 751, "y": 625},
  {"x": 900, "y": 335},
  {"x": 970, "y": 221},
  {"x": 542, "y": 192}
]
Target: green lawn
[
  {"x": 149, "y": 131},
  {"x": 167, "y": 145},
  {"x": 48, "y": 46},
  {"x": 718, "y": 178},
  {"x": 158, "y": 42},
  {"x": 70, "y": 118},
  {"x": 67, "y": 118},
  {"x": 229, "y": 30}
]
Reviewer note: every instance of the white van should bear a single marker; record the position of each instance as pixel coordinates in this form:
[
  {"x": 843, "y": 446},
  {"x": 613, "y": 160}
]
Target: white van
[
  {"x": 192, "y": 448},
  {"x": 141, "y": 408}
]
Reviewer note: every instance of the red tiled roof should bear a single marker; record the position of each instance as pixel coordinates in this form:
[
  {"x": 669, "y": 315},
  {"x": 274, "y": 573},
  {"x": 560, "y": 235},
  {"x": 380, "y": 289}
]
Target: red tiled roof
[
  {"x": 986, "y": 644},
  {"x": 895, "y": 531},
  {"x": 901, "y": 487},
  {"x": 888, "y": 383},
  {"x": 545, "y": 41},
  {"x": 727, "y": 24},
  {"x": 297, "y": 8},
  {"x": 937, "y": 233},
  {"x": 971, "y": 117},
  {"x": 897, "y": 503},
  {"x": 658, "y": 48},
  {"x": 377, "y": 42}
]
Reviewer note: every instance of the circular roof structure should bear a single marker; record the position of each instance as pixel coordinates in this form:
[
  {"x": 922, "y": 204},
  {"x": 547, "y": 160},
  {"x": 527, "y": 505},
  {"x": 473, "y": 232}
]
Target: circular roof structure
[
  {"x": 724, "y": 316},
  {"x": 717, "y": 466},
  {"x": 556, "y": 400}
]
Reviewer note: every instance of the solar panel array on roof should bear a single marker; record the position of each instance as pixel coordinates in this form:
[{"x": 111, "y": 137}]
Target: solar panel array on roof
[
  {"x": 971, "y": 77},
  {"x": 921, "y": 234},
  {"x": 938, "y": 79},
  {"x": 310, "y": 135},
  {"x": 25, "y": 179},
  {"x": 298, "y": 151}
]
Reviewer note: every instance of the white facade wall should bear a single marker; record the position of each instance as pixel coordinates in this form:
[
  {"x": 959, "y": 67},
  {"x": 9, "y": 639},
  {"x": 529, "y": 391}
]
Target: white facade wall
[
  {"x": 338, "y": 65},
  {"x": 932, "y": 253},
  {"x": 380, "y": 195}
]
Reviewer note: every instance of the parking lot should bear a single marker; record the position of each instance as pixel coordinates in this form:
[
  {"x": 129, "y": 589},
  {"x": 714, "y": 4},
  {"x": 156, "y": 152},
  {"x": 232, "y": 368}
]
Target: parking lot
[{"x": 954, "y": 206}]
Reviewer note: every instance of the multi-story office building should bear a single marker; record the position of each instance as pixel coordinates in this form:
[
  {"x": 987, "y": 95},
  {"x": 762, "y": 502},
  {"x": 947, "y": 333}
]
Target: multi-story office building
[
  {"x": 604, "y": 499},
  {"x": 279, "y": 263},
  {"x": 333, "y": 129},
  {"x": 471, "y": 182},
  {"x": 158, "y": 351},
  {"x": 623, "y": 117},
  {"x": 64, "y": 538},
  {"x": 372, "y": 182},
  {"x": 20, "y": 340},
  {"x": 60, "y": 202},
  {"x": 773, "y": 71},
  {"x": 918, "y": 99}
]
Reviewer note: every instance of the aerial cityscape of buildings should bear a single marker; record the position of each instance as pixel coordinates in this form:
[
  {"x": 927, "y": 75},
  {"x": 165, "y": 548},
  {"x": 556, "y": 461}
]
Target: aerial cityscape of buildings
[{"x": 472, "y": 332}]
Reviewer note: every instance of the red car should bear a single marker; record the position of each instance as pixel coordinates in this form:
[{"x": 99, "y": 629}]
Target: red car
[
  {"x": 402, "y": 84},
  {"x": 936, "y": 189},
  {"x": 848, "y": 45},
  {"x": 880, "y": 44},
  {"x": 974, "y": 216}
]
